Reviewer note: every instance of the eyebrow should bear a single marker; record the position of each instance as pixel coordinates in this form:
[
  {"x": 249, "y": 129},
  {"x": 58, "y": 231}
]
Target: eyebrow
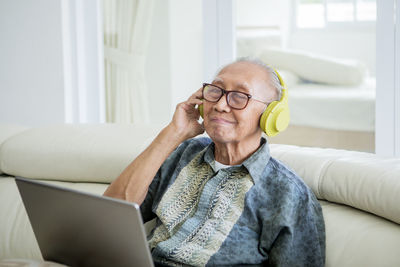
[{"x": 218, "y": 80}]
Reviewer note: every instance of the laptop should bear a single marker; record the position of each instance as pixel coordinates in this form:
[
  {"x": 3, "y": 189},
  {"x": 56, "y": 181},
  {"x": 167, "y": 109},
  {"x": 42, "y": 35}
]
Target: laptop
[{"x": 82, "y": 229}]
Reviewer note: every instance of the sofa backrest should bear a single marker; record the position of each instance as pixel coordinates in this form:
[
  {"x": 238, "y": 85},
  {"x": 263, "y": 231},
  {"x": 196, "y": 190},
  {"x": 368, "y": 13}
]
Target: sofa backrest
[
  {"x": 361, "y": 180},
  {"x": 75, "y": 152},
  {"x": 9, "y": 130},
  {"x": 100, "y": 152}
]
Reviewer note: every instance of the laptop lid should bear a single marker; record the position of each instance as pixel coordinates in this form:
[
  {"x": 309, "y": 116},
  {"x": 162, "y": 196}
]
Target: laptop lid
[{"x": 82, "y": 229}]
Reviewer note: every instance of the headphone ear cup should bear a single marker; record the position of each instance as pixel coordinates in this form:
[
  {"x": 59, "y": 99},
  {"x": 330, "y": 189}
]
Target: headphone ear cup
[
  {"x": 201, "y": 110},
  {"x": 266, "y": 118},
  {"x": 275, "y": 118},
  {"x": 282, "y": 119}
]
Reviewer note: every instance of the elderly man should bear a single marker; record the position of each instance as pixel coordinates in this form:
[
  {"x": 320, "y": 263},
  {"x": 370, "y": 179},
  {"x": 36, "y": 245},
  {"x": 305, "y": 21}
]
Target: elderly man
[{"x": 224, "y": 201}]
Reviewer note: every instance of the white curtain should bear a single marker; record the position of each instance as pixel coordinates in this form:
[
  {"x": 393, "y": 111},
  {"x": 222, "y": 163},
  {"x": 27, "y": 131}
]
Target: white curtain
[{"x": 127, "y": 26}]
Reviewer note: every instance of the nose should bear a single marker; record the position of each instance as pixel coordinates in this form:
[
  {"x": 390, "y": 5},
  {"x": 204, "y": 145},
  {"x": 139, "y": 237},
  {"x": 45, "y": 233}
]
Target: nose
[{"x": 222, "y": 104}]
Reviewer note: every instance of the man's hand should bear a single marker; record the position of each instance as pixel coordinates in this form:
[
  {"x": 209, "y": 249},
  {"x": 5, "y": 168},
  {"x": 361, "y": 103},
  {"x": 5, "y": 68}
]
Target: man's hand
[
  {"x": 185, "y": 119},
  {"x": 134, "y": 181}
]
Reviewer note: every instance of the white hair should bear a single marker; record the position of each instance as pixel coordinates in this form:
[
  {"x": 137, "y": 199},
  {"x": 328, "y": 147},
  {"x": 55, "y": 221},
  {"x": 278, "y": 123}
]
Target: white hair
[{"x": 274, "y": 80}]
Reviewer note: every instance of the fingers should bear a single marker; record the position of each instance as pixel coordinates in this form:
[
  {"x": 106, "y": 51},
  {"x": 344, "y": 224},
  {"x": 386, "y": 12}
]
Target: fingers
[
  {"x": 197, "y": 95},
  {"x": 186, "y": 115},
  {"x": 189, "y": 104},
  {"x": 192, "y": 101}
]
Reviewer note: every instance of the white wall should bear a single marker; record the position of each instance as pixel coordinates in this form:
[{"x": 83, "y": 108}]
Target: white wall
[
  {"x": 50, "y": 71},
  {"x": 387, "y": 126},
  {"x": 219, "y": 30},
  {"x": 38, "y": 87},
  {"x": 186, "y": 50},
  {"x": 157, "y": 65},
  {"x": 31, "y": 70},
  {"x": 270, "y": 13},
  {"x": 175, "y": 56},
  {"x": 260, "y": 12}
]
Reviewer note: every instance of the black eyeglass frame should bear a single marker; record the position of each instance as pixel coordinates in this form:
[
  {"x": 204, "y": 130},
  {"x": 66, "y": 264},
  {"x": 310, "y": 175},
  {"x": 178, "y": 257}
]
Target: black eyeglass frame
[{"x": 226, "y": 92}]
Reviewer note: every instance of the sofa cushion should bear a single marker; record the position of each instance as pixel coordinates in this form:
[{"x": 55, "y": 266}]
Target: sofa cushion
[
  {"x": 8, "y": 130},
  {"x": 75, "y": 152},
  {"x": 361, "y": 180},
  {"x": 357, "y": 238},
  {"x": 351, "y": 234},
  {"x": 16, "y": 234},
  {"x": 29, "y": 263}
]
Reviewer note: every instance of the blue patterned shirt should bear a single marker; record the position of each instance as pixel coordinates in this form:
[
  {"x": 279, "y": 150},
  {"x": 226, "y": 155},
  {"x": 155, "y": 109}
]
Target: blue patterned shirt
[{"x": 257, "y": 213}]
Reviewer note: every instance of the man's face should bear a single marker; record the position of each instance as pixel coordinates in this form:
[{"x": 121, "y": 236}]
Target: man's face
[{"x": 227, "y": 125}]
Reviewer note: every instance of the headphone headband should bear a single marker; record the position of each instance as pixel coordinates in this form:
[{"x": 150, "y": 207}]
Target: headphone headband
[{"x": 283, "y": 85}]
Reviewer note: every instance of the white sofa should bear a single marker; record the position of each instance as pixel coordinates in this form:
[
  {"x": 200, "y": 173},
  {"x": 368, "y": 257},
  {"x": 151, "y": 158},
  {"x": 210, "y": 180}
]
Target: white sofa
[{"x": 359, "y": 192}]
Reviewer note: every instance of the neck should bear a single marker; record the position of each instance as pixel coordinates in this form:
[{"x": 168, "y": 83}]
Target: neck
[{"x": 235, "y": 153}]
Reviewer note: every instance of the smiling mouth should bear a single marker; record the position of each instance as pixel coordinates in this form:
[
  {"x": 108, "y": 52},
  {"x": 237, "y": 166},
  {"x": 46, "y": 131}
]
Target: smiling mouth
[{"x": 222, "y": 121}]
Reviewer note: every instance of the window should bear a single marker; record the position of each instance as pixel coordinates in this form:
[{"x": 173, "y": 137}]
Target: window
[{"x": 325, "y": 13}]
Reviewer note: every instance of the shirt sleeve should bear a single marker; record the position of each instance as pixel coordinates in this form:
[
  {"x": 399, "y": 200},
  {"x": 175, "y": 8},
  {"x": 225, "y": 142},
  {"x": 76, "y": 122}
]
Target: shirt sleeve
[{"x": 300, "y": 236}]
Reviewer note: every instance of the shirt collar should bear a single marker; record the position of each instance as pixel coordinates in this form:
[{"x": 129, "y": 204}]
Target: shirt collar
[{"x": 255, "y": 164}]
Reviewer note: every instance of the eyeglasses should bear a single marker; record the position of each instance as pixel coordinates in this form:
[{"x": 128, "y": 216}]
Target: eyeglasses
[{"x": 234, "y": 99}]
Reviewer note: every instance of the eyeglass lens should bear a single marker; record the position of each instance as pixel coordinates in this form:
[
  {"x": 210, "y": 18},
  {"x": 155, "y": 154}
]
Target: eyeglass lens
[{"x": 236, "y": 100}]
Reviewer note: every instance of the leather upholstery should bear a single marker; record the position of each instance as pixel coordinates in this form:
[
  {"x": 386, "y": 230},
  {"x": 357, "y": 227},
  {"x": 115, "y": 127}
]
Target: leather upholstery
[
  {"x": 358, "y": 191},
  {"x": 361, "y": 180}
]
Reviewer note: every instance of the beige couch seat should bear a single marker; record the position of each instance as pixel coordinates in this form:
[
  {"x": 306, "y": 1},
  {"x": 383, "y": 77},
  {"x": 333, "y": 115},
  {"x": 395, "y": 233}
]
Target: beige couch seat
[{"x": 359, "y": 192}]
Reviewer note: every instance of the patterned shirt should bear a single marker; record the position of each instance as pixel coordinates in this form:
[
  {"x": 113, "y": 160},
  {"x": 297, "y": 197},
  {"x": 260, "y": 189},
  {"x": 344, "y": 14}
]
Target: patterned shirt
[{"x": 257, "y": 213}]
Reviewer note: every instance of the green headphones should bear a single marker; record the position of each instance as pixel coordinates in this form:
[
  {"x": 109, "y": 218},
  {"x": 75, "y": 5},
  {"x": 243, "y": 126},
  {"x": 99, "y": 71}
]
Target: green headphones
[{"x": 276, "y": 117}]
